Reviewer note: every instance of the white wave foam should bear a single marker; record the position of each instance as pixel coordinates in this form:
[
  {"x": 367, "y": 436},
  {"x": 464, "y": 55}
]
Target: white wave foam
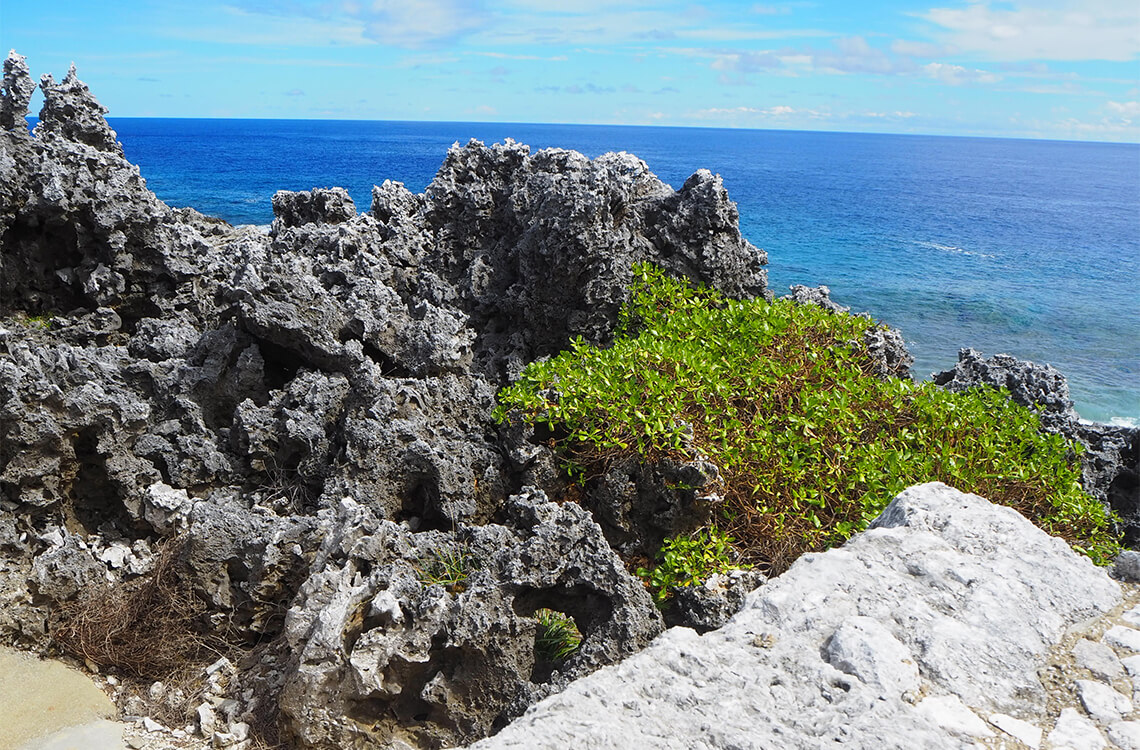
[
  {"x": 950, "y": 249},
  {"x": 1113, "y": 422}
]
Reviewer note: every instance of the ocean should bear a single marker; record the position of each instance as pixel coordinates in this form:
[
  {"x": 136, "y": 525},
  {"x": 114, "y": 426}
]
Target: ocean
[{"x": 1031, "y": 248}]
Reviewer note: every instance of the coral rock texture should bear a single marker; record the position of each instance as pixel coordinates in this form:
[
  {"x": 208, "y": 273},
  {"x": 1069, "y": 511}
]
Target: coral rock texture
[{"x": 305, "y": 410}]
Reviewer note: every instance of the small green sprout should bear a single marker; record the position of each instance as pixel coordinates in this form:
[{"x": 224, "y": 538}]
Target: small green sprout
[{"x": 689, "y": 560}]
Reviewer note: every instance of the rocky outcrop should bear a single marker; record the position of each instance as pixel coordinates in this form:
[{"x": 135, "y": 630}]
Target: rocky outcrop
[
  {"x": 307, "y": 408},
  {"x": 936, "y": 642},
  {"x": 1110, "y": 460}
]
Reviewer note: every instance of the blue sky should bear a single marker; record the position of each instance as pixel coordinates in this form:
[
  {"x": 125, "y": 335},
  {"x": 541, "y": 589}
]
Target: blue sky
[{"x": 1067, "y": 69}]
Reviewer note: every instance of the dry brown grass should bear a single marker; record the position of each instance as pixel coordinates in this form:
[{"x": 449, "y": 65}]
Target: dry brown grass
[{"x": 151, "y": 628}]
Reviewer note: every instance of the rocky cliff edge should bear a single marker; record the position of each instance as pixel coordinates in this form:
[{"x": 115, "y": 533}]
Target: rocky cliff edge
[{"x": 275, "y": 443}]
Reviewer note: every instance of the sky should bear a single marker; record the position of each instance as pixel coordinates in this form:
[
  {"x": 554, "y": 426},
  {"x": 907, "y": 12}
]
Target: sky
[{"x": 1057, "y": 69}]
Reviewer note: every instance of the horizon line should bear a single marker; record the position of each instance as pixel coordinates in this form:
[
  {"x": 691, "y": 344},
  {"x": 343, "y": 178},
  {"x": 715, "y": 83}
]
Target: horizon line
[{"x": 1046, "y": 139}]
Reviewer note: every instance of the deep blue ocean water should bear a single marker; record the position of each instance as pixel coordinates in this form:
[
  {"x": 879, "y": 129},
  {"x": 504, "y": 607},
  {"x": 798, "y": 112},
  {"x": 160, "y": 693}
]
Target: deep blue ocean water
[{"x": 1025, "y": 247}]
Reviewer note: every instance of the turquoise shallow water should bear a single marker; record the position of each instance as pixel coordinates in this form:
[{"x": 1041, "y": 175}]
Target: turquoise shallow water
[{"x": 1025, "y": 247}]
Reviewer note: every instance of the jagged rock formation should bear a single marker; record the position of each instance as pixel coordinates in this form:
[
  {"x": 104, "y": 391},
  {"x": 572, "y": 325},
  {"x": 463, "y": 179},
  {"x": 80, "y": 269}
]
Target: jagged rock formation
[
  {"x": 308, "y": 408},
  {"x": 935, "y": 643},
  {"x": 1110, "y": 463}
]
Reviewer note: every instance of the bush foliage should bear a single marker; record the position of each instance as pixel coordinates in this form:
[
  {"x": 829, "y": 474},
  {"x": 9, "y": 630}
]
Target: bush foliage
[
  {"x": 783, "y": 398},
  {"x": 688, "y": 560}
]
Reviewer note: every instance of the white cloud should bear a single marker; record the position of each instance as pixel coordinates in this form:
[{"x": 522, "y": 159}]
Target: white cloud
[
  {"x": 855, "y": 55},
  {"x": 750, "y": 35},
  {"x": 746, "y": 62},
  {"x": 1125, "y": 109},
  {"x": 505, "y": 56},
  {"x": 255, "y": 28},
  {"x": 1051, "y": 30},
  {"x": 956, "y": 75},
  {"x": 918, "y": 49},
  {"x": 420, "y": 23},
  {"x": 771, "y": 10},
  {"x": 777, "y": 112}
]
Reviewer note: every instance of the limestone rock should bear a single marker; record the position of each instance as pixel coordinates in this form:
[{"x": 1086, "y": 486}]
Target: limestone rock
[
  {"x": 948, "y": 712},
  {"x": 1023, "y": 731},
  {"x": 1123, "y": 637},
  {"x": 1075, "y": 732},
  {"x": 865, "y": 649},
  {"x": 318, "y": 206},
  {"x": 441, "y": 626},
  {"x": 1126, "y": 734},
  {"x": 18, "y": 88},
  {"x": 1098, "y": 659},
  {"x": 709, "y": 605},
  {"x": 1126, "y": 567},
  {"x": 1104, "y": 703}
]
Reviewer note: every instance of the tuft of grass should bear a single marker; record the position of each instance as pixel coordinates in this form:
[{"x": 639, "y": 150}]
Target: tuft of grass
[
  {"x": 449, "y": 567},
  {"x": 558, "y": 636},
  {"x": 782, "y": 396}
]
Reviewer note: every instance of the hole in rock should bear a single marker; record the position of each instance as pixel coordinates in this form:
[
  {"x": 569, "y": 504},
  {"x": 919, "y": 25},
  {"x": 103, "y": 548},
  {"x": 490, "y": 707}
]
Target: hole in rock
[
  {"x": 421, "y": 507},
  {"x": 556, "y": 638},
  {"x": 389, "y": 367},
  {"x": 586, "y": 608},
  {"x": 1124, "y": 498},
  {"x": 281, "y": 364},
  {"x": 93, "y": 499},
  {"x": 34, "y": 253}
]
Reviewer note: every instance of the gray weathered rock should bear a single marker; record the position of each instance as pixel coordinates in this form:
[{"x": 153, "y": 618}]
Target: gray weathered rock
[
  {"x": 710, "y": 604},
  {"x": 246, "y": 387},
  {"x": 972, "y": 593},
  {"x": 1104, "y": 703},
  {"x": 1126, "y": 567},
  {"x": 440, "y": 626},
  {"x": 1098, "y": 659},
  {"x": 18, "y": 88}
]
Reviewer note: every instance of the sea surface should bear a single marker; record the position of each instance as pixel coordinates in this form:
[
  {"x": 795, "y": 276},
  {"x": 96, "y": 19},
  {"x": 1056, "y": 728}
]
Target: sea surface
[{"x": 1025, "y": 247}]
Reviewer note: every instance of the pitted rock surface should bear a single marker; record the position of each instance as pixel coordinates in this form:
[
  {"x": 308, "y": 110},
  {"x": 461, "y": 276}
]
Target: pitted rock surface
[{"x": 308, "y": 406}]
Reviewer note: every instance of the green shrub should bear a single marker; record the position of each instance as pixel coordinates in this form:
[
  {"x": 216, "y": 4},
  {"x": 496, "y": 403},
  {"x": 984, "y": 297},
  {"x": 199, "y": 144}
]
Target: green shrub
[
  {"x": 783, "y": 398},
  {"x": 688, "y": 560}
]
